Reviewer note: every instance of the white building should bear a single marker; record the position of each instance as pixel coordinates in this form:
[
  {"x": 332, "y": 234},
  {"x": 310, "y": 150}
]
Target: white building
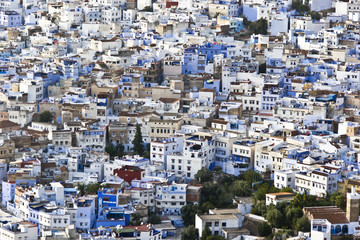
[
  {"x": 54, "y": 218},
  {"x": 218, "y": 219},
  {"x": 284, "y": 178},
  {"x": 7, "y": 192},
  {"x": 85, "y": 212},
  {"x": 10, "y": 19},
  {"x": 316, "y": 182},
  {"x": 275, "y": 198},
  {"x": 20, "y": 230},
  {"x": 198, "y": 152},
  {"x": 170, "y": 198},
  {"x": 159, "y": 150},
  {"x": 91, "y": 139}
]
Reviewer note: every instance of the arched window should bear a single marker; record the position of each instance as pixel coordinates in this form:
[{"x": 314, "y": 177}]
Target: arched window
[
  {"x": 345, "y": 229},
  {"x": 337, "y": 229}
]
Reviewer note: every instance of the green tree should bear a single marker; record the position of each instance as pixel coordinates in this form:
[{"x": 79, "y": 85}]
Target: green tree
[
  {"x": 204, "y": 175},
  {"x": 147, "y": 9},
  {"x": 275, "y": 218},
  {"x": 81, "y": 188},
  {"x": 92, "y": 188},
  {"x": 303, "y": 224},
  {"x": 251, "y": 177},
  {"x": 240, "y": 188},
  {"x": 120, "y": 149},
  {"x": 291, "y": 215},
  {"x": 337, "y": 199},
  {"x": 299, "y": 7},
  {"x": 287, "y": 189},
  {"x": 206, "y": 206},
  {"x": 135, "y": 219},
  {"x": 110, "y": 149},
  {"x": 315, "y": 15},
  {"x": 138, "y": 141},
  {"x": 154, "y": 219},
  {"x": 226, "y": 180},
  {"x": 259, "y": 208},
  {"x": 246, "y": 22},
  {"x": 303, "y": 200},
  {"x": 217, "y": 237},
  {"x": 216, "y": 14},
  {"x": 205, "y": 233},
  {"x": 259, "y": 27},
  {"x": 188, "y": 213},
  {"x": 216, "y": 194},
  {"x": 263, "y": 189},
  {"x": 46, "y": 116},
  {"x": 264, "y": 229},
  {"x": 191, "y": 233}
]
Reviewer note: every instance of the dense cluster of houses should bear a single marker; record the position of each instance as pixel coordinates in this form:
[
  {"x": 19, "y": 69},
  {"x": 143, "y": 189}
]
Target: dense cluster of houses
[{"x": 77, "y": 76}]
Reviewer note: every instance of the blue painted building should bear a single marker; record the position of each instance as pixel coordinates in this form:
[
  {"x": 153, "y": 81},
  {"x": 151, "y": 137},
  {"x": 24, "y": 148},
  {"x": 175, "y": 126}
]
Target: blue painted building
[
  {"x": 108, "y": 198},
  {"x": 112, "y": 217},
  {"x": 196, "y": 57}
]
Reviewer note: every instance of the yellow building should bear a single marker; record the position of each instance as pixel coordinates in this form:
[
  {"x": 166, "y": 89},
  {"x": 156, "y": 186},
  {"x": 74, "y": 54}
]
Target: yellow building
[{"x": 345, "y": 186}]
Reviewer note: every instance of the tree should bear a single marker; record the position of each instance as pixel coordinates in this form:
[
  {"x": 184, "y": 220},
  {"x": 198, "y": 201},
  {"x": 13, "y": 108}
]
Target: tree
[
  {"x": 205, "y": 233},
  {"x": 81, "y": 188},
  {"x": 303, "y": 200},
  {"x": 263, "y": 189},
  {"x": 46, "y": 116},
  {"x": 259, "y": 27},
  {"x": 251, "y": 177},
  {"x": 241, "y": 188},
  {"x": 206, "y": 206},
  {"x": 275, "y": 217},
  {"x": 120, "y": 150},
  {"x": 264, "y": 229},
  {"x": 216, "y": 14},
  {"x": 287, "y": 189},
  {"x": 92, "y": 188},
  {"x": 259, "y": 208},
  {"x": 110, "y": 149},
  {"x": 191, "y": 233},
  {"x": 188, "y": 213},
  {"x": 115, "y": 151},
  {"x": 204, "y": 175},
  {"x": 299, "y": 7},
  {"x": 337, "y": 199},
  {"x": 246, "y": 22},
  {"x": 138, "y": 141},
  {"x": 136, "y": 219},
  {"x": 147, "y": 9},
  {"x": 315, "y": 15},
  {"x": 303, "y": 224},
  {"x": 216, "y": 194},
  {"x": 154, "y": 219},
  {"x": 217, "y": 237},
  {"x": 291, "y": 216}
]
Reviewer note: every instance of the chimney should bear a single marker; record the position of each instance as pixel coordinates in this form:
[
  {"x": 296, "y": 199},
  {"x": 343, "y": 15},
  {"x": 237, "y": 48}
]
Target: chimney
[{"x": 352, "y": 205}]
